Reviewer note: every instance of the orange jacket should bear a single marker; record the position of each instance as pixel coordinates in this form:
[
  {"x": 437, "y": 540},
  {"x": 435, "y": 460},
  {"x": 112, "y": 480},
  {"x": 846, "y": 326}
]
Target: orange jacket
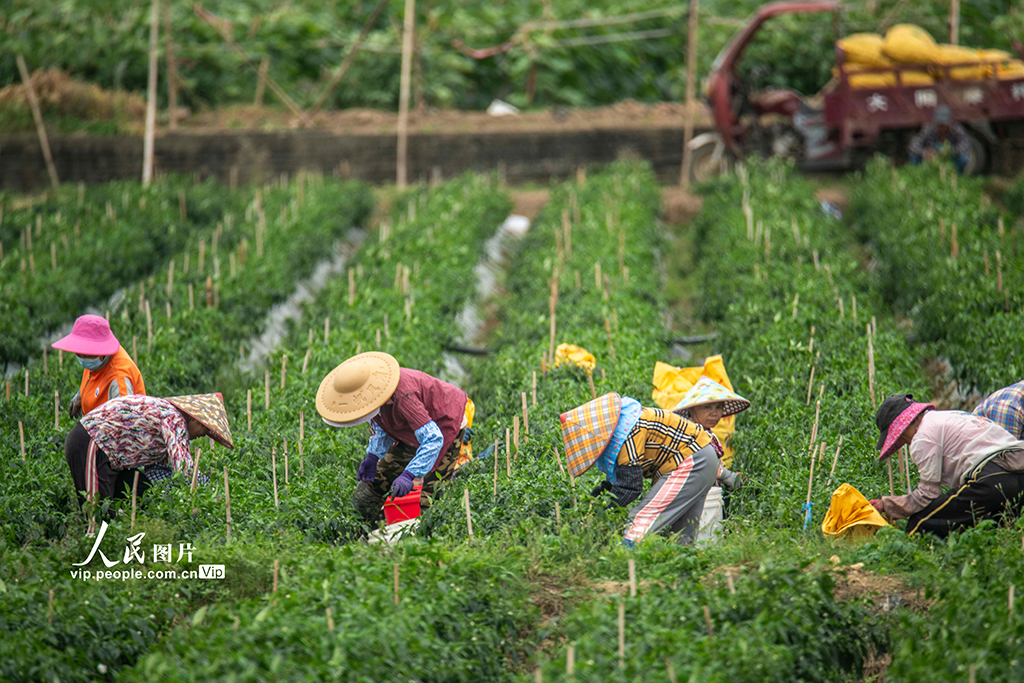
[{"x": 119, "y": 377}]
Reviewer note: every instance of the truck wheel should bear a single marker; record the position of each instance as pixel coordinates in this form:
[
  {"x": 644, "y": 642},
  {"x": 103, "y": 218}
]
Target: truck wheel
[
  {"x": 704, "y": 165},
  {"x": 978, "y": 161}
]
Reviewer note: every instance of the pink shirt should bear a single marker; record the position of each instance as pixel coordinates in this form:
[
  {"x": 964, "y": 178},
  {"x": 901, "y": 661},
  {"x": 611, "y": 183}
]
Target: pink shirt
[{"x": 948, "y": 446}]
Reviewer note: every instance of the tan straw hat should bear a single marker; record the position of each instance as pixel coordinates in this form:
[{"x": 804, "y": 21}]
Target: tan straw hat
[
  {"x": 208, "y": 409},
  {"x": 357, "y": 387}
]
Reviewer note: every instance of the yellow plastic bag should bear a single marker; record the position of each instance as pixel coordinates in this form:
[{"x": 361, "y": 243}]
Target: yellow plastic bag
[
  {"x": 577, "y": 355},
  {"x": 851, "y": 515},
  {"x": 671, "y": 383},
  {"x": 909, "y": 44},
  {"x": 864, "y": 49},
  {"x": 1011, "y": 70}
]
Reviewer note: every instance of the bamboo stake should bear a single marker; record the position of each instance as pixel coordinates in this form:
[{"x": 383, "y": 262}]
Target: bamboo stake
[
  {"x": 266, "y": 389},
  {"x": 691, "y": 77},
  {"x": 558, "y": 459},
  {"x": 558, "y": 514},
  {"x": 707, "y": 623},
  {"x": 37, "y": 116},
  {"x": 496, "y": 457},
  {"x": 195, "y": 471},
  {"x": 149, "y": 328},
  {"x": 172, "y": 73},
  {"x": 954, "y": 22},
  {"x": 732, "y": 586},
  {"x": 469, "y": 518},
  {"x": 508, "y": 453},
  {"x": 284, "y": 368},
  {"x": 148, "y": 140},
  {"x": 622, "y": 634},
  {"x": 135, "y": 493},
  {"x": 810, "y": 383},
  {"x": 248, "y": 409},
  {"x": 515, "y": 433},
  {"x": 351, "y": 287},
  {"x": 590, "y": 380},
  {"x": 396, "y": 585},
  {"x": 327, "y": 330},
  {"x": 834, "y": 461},
  {"x": 46, "y": 367},
  {"x": 796, "y": 301},
  {"x": 227, "y": 504},
  {"x": 26, "y": 382},
  {"x": 906, "y": 466},
  {"x": 277, "y": 569},
  {"x": 810, "y": 479},
  {"x": 892, "y": 489},
  {"x": 955, "y": 245},
  {"x": 305, "y": 361},
  {"x": 534, "y": 389},
  {"x": 191, "y": 299},
  {"x": 814, "y": 429},
  {"x": 302, "y": 425},
  {"x": 608, "y": 332},
  {"x": 871, "y": 369},
  {"x": 49, "y": 611},
  {"x": 403, "y": 92},
  {"x": 632, "y": 577},
  {"x": 56, "y": 410},
  {"x": 21, "y": 438},
  {"x": 526, "y": 421},
  {"x": 261, "y": 81},
  {"x": 1009, "y": 600},
  {"x": 273, "y": 467}
]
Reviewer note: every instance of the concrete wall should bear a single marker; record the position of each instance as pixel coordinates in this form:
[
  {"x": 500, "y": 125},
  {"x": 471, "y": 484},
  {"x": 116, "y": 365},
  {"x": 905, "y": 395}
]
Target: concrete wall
[{"x": 529, "y": 156}]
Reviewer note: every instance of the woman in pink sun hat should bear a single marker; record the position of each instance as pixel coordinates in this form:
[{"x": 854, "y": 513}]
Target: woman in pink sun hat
[
  {"x": 108, "y": 372},
  {"x": 980, "y": 463}
]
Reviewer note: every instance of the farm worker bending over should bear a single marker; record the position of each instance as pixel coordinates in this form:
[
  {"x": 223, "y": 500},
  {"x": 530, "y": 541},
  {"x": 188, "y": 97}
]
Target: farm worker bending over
[
  {"x": 417, "y": 425},
  {"x": 1006, "y": 408},
  {"x": 103, "y": 449},
  {"x": 108, "y": 371},
  {"x": 980, "y": 463},
  {"x": 706, "y": 403},
  {"x": 628, "y": 443},
  {"x": 931, "y": 138}
]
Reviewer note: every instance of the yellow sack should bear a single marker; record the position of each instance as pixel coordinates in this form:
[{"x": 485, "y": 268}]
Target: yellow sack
[
  {"x": 909, "y": 44},
  {"x": 1011, "y": 70},
  {"x": 864, "y": 49},
  {"x": 577, "y": 355},
  {"x": 671, "y": 383},
  {"x": 955, "y": 54},
  {"x": 886, "y": 79},
  {"x": 851, "y": 515}
]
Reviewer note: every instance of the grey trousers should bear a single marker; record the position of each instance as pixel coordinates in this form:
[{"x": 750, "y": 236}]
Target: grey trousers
[{"x": 676, "y": 501}]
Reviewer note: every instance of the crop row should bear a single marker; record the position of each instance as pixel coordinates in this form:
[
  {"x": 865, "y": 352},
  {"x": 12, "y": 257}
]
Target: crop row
[{"x": 948, "y": 259}]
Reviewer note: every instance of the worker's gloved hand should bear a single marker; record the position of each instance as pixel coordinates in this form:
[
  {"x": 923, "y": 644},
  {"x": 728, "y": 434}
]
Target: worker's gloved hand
[
  {"x": 877, "y": 504},
  {"x": 367, "y": 469},
  {"x": 75, "y": 407},
  {"x": 601, "y": 488},
  {"x": 467, "y": 435},
  {"x": 402, "y": 485}
]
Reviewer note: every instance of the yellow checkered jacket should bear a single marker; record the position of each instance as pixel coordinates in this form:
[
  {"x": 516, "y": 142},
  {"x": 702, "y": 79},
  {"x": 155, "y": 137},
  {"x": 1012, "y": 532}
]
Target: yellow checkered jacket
[{"x": 661, "y": 441}]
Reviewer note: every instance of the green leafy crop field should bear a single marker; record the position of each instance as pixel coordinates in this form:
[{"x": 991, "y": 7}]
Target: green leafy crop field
[{"x": 540, "y": 589}]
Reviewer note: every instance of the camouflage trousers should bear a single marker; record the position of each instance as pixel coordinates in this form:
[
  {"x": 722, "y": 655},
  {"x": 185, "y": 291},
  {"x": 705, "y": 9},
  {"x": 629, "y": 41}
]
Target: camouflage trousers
[{"x": 368, "y": 499}]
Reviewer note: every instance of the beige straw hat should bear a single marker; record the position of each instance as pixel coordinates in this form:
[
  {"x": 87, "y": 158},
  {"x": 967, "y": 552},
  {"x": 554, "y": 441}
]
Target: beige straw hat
[{"x": 357, "y": 387}]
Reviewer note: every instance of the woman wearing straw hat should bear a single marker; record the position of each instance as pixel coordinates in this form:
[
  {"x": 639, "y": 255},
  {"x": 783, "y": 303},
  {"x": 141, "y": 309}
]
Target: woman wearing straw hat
[
  {"x": 629, "y": 443},
  {"x": 706, "y": 403},
  {"x": 980, "y": 463},
  {"x": 106, "y": 446},
  {"x": 108, "y": 372},
  {"x": 417, "y": 425}
]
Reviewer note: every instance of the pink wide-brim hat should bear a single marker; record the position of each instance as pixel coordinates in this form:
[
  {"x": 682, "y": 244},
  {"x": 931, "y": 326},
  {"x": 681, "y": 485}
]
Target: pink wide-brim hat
[
  {"x": 899, "y": 425},
  {"x": 90, "y": 336}
]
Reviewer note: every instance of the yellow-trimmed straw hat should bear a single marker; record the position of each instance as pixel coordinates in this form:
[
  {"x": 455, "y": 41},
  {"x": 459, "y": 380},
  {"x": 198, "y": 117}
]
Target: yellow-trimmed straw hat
[
  {"x": 208, "y": 409},
  {"x": 706, "y": 391},
  {"x": 355, "y": 390}
]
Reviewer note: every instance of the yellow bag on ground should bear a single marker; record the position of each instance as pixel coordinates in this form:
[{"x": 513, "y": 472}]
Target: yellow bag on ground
[
  {"x": 955, "y": 54},
  {"x": 909, "y": 44},
  {"x": 577, "y": 355},
  {"x": 851, "y": 515},
  {"x": 671, "y": 383},
  {"x": 864, "y": 49}
]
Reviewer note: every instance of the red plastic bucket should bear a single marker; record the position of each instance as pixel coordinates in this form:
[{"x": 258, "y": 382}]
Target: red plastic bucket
[{"x": 406, "y": 507}]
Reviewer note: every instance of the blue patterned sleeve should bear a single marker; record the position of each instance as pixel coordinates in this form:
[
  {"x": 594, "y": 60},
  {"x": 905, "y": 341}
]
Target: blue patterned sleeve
[
  {"x": 429, "y": 436},
  {"x": 380, "y": 442}
]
